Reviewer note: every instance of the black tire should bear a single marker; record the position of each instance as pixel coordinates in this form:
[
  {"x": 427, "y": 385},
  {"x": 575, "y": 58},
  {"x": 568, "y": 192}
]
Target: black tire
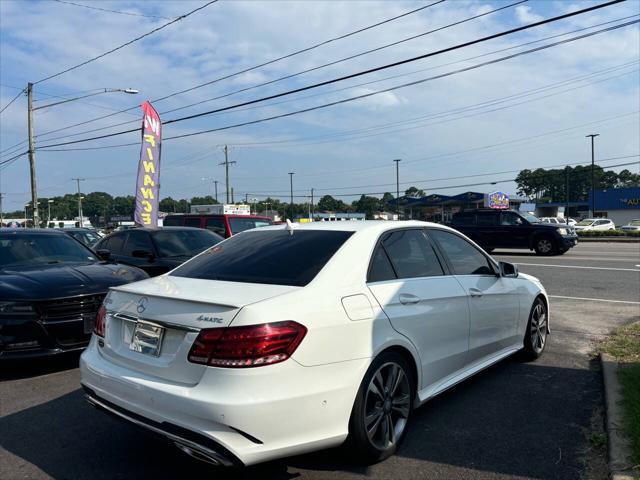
[
  {"x": 535, "y": 337},
  {"x": 544, "y": 245},
  {"x": 395, "y": 407}
]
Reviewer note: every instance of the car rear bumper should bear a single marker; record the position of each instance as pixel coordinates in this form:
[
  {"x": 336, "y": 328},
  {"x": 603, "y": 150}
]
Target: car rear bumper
[{"x": 232, "y": 416}]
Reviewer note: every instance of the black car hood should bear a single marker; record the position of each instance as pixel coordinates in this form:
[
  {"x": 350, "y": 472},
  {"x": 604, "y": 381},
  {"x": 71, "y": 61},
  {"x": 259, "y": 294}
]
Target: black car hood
[{"x": 58, "y": 281}]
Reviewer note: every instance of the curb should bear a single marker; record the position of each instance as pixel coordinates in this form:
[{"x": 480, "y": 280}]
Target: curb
[
  {"x": 609, "y": 239},
  {"x": 619, "y": 448}
]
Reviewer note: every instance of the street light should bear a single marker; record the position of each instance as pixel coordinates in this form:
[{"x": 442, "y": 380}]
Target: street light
[
  {"x": 49, "y": 215},
  {"x": 398, "y": 160},
  {"x": 291, "y": 184},
  {"x": 593, "y": 182},
  {"x": 30, "y": 128}
]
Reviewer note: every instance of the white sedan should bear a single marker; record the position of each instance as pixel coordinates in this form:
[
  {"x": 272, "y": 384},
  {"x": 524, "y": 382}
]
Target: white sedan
[{"x": 288, "y": 339}]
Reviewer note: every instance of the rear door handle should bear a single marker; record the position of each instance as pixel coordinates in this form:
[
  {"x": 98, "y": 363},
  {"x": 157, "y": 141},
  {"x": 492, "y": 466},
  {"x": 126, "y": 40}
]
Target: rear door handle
[
  {"x": 474, "y": 292},
  {"x": 408, "y": 299}
]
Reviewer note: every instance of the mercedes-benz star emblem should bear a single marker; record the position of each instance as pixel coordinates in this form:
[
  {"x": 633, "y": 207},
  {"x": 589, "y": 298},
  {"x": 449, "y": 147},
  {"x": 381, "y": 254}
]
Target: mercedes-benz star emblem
[{"x": 142, "y": 304}]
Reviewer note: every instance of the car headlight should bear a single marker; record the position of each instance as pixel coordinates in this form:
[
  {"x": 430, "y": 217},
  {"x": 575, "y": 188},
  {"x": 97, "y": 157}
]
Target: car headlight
[
  {"x": 562, "y": 231},
  {"x": 15, "y": 309}
]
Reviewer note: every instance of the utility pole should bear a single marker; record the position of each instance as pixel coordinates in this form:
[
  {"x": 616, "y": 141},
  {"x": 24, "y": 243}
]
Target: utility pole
[
  {"x": 215, "y": 182},
  {"x": 291, "y": 185},
  {"x": 226, "y": 164},
  {"x": 593, "y": 181},
  {"x": 1, "y": 213},
  {"x": 398, "y": 160},
  {"x": 566, "y": 193},
  {"x": 312, "y": 205},
  {"x": 32, "y": 155},
  {"x": 246, "y": 198},
  {"x": 79, "y": 199}
]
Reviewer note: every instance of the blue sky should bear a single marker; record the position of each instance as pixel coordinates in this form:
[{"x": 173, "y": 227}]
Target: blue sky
[{"x": 527, "y": 112}]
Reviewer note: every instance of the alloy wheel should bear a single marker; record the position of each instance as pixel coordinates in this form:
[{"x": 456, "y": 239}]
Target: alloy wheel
[
  {"x": 544, "y": 245},
  {"x": 538, "y": 328},
  {"x": 387, "y": 405}
]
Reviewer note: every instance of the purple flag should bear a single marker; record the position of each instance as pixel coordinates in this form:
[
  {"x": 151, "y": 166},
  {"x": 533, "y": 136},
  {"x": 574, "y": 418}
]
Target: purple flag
[{"x": 148, "y": 183}]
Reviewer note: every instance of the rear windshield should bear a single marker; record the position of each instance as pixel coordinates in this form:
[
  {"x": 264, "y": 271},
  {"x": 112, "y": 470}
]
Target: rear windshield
[
  {"x": 272, "y": 256},
  {"x": 239, "y": 224}
]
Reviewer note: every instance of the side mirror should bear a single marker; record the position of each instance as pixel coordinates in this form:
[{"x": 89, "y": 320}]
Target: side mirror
[
  {"x": 509, "y": 270},
  {"x": 104, "y": 254},
  {"x": 143, "y": 254}
]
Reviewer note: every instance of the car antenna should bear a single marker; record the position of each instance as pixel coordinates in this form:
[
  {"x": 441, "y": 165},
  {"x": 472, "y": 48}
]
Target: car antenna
[{"x": 290, "y": 227}]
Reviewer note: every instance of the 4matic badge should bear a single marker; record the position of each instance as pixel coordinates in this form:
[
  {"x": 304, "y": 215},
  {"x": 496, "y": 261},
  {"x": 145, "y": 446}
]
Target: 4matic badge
[{"x": 204, "y": 318}]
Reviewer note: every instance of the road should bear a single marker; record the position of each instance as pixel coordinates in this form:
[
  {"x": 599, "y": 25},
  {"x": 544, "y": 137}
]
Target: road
[{"x": 513, "y": 421}]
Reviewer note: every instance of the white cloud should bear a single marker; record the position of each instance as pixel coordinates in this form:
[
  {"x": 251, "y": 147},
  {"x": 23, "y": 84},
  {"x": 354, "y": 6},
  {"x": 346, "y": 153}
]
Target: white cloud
[
  {"x": 524, "y": 14},
  {"x": 230, "y": 36}
]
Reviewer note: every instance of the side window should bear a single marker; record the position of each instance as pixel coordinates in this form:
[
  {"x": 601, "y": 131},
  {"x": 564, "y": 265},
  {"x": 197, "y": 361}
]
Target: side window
[
  {"x": 115, "y": 243},
  {"x": 487, "y": 218},
  {"x": 464, "y": 257},
  {"x": 192, "y": 222},
  {"x": 381, "y": 268},
  {"x": 509, "y": 218},
  {"x": 464, "y": 218},
  {"x": 137, "y": 241},
  {"x": 216, "y": 225},
  {"x": 412, "y": 255}
]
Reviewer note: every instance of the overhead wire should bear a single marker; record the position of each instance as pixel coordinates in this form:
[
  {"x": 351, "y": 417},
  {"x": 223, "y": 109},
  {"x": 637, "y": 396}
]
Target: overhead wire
[
  {"x": 358, "y": 84},
  {"x": 249, "y": 69},
  {"x": 342, "y": 101},
  {"x": 138, "y": 38},
  {"x": 113, "y": 11},
  {"x": 11, "y": 101}
]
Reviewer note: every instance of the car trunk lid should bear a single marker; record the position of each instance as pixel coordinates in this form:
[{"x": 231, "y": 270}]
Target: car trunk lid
[{"x": 176, "y": 309}]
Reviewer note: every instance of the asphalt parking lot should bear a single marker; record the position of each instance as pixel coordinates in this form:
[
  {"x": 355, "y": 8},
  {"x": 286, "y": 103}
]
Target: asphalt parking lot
[{"x": 515, "y": 420}]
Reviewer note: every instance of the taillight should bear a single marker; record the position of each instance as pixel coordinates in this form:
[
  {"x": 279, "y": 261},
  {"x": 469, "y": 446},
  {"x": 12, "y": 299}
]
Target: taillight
[
  {"x": 99, "y": 327},
  {"x": 251, "y": 346}
]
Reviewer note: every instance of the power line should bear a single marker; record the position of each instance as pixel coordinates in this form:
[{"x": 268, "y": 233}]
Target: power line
[
  {"x": 181, "y": 17},
  {"x": 112, "y": 11},
  {"x": 365, "y": 72},
  {"x": 13, "y": 100},
  {"x": 351, "y": 57},
  {"x": 283, "y": 57},
  {"x": 349, "y": 87}
]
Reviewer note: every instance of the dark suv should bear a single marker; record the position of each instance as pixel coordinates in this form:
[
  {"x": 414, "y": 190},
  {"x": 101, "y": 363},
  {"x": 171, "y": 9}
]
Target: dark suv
[{"x": 510, "y": 229}]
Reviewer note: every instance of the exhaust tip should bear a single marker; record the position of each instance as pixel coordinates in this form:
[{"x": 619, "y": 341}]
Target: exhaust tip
[{"x": 197, "y": 454}]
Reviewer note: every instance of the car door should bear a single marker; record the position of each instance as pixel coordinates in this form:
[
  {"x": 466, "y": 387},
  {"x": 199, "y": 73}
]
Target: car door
[
  {"x": 493, "y": 299},
  {"x": 140, "y": 240},
  {"x": 423, "y": 303},
  {"x": 514, "y": 230}
]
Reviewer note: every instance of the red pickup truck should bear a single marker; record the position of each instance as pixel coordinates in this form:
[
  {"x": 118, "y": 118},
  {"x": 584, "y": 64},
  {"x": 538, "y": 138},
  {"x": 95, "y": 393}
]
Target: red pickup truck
[{"x": 223, "y": 224}]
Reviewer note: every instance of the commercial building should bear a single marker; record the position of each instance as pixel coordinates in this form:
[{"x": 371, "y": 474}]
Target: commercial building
[{"x": 621, "y": 205}]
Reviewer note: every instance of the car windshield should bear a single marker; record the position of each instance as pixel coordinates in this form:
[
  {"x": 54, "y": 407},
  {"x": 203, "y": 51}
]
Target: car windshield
[
  {"x": 530, "y": 218},
  {"x": 239, "y": 224},
  {"x": 272, "y": 256},
  {"x": 635, "y": 223},
  {"x": 41, "y": 249},
  {"x": 88, "y": 238},
  {"x": 184, "y": 243},
  {"x": 585, "y": 223}
]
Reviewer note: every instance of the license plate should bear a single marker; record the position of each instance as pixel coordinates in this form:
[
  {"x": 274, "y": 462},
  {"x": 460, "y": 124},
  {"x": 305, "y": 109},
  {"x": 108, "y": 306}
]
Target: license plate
[
  {"x": 89, "y": 323},
  {"x": 147, "y": 338}
]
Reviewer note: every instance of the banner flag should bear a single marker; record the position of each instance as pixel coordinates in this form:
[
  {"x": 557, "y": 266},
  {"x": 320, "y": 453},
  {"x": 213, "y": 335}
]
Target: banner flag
[{"x": 148, "y": 183}]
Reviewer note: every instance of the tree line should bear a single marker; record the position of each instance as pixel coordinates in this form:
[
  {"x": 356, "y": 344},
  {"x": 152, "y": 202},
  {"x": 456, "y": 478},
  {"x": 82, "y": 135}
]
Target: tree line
[{"x": 540, "y": 184}]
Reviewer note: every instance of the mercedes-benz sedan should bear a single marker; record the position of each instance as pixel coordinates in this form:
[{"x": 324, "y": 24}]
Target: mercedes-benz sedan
[{"x": 288, "y": 339}]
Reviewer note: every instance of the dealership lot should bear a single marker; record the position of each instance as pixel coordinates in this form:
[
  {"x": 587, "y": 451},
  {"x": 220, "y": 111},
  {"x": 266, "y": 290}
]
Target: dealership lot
[{"x": 515, "y": 420}]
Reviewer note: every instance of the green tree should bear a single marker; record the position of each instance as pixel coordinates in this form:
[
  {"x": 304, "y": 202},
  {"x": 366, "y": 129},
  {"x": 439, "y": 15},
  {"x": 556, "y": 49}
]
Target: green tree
[
  {"x": 414, "y": 192},
  {"x": 367, "y": 205}
]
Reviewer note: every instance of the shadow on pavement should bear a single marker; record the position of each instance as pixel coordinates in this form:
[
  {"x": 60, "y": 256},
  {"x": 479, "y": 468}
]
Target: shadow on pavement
[
  {"x": 26, "y": 368},
  {"x": 528, "y": 420}
]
